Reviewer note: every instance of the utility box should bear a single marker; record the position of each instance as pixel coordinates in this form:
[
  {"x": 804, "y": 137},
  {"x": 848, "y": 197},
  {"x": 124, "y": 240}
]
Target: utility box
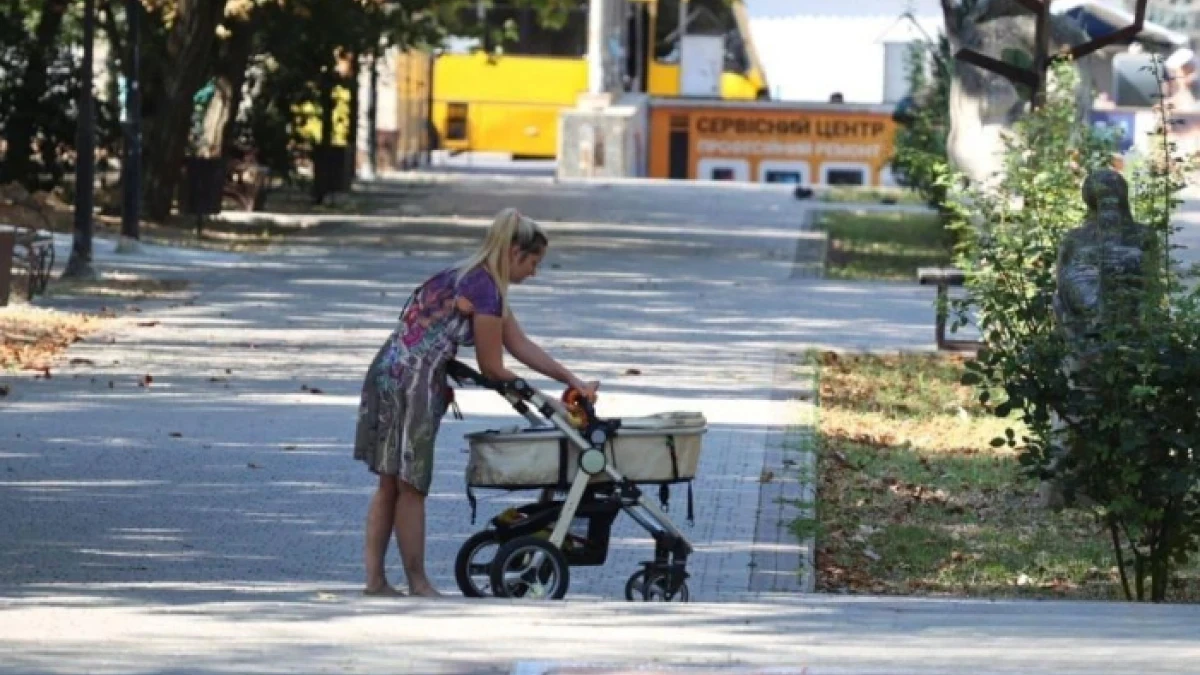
[{"x": 598, "y": 139}]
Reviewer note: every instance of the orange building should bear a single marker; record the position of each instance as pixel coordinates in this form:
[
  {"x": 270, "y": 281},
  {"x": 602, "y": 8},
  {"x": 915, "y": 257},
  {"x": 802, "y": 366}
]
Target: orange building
[{"x": 771, "y": 142}]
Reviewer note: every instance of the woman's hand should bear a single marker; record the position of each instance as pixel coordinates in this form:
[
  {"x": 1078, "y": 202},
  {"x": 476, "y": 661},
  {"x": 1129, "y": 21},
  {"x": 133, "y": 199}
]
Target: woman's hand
[{"x": 588, "y": 389}]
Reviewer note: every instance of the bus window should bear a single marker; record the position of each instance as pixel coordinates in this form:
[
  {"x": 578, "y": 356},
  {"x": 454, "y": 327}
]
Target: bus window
[
  {"x": 705, "y": 17},
  {"x": 520, "y": 32}
]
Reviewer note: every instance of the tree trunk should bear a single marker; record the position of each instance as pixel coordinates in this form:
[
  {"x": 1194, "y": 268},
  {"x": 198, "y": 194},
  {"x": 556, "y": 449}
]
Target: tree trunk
[
  {"x": 241, "y": 48},
  {"x": 321, "y": 175},
  {"x": 355, "y": 102},
  {"x": 22, "y": 125},
  {"x": 189, "y": 52}
]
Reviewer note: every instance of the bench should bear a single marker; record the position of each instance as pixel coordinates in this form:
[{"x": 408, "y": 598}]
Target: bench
[
  {"x": 944, "y": 278},
  {"x": 247, "y": 184},
  {"x": 27, "y": 249},
  {"x": 26, "y": 240}
]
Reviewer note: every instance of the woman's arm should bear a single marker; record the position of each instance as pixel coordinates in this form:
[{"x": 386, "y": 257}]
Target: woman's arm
[
  {"x": 489, "y": 347},
  {"x": 529, "y": 353}
]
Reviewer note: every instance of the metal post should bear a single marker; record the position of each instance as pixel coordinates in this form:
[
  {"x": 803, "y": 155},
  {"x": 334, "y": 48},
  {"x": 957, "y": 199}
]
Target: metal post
[
  {"x": 132, "y": 181},
  {"x": 1041, "y": 54},
  {"x": 79, "y": 265},
  {"x": 683, "y": 23},
  {"x": 373, "y": 114},
  {"x": 595, "y": 51}
]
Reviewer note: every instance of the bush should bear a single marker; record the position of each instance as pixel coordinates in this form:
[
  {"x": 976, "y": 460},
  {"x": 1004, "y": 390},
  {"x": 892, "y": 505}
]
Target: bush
[{"x": 1113, "y": 414}]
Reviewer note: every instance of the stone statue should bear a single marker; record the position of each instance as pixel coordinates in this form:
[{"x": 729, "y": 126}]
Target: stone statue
[
  {"x": 1104, "y": 264},
  {"x": 1101, "y": 276}
]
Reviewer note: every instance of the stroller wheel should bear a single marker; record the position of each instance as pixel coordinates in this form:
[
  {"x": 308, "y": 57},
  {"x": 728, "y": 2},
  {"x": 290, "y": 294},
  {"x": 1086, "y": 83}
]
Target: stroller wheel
[
  {"x": 472, "y": 566},
  {"x": 637, "y": 590},
  {"x": 530, "y": 567}
]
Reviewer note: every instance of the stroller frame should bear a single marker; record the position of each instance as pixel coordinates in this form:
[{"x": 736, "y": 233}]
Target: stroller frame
[{"x": 526, "y": 560}]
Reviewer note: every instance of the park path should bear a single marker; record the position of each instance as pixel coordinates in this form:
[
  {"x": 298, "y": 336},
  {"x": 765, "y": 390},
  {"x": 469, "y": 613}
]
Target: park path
[{"x": 216, "y": 512}]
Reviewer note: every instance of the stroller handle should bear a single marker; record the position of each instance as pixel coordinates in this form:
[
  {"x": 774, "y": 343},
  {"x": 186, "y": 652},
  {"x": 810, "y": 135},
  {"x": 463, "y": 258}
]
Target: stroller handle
[
  {"x": 461, "y": 371},
  {"x": 519, "y": 393}
]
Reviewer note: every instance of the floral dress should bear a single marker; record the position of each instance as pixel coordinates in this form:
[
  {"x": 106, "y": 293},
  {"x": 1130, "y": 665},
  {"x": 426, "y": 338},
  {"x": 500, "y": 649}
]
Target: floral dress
[{"x": 405, "y": 394}]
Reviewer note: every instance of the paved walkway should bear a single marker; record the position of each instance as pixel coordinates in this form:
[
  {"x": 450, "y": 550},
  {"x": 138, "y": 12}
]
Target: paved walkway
[{"x": 226, "y": 468}]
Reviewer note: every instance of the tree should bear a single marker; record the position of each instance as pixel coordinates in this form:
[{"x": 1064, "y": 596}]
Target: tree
[
  {"x": 191, "y": 35},
  {"x": 39, "y": 88},
  {"x": 920, "y": 150}
]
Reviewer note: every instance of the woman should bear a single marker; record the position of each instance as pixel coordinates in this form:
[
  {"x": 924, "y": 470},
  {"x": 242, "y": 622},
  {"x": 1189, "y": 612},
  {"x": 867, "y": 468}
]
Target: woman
[{"x": 405, "y": 394}]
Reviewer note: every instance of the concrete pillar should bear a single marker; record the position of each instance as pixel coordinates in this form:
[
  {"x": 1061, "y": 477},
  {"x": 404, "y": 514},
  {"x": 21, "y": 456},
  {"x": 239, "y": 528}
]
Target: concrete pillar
[{"x": 596, "y": 47}]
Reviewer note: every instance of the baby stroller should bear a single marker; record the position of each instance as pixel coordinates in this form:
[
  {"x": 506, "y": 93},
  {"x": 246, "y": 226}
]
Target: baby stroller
[{"x": 588, "y": 470}]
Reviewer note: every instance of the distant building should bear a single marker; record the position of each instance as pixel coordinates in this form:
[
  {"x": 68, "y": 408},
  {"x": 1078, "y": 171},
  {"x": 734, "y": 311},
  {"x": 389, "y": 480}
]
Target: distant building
[
  {"x": 813, "y": 48},
  {"x": 1177, "y": 15}
]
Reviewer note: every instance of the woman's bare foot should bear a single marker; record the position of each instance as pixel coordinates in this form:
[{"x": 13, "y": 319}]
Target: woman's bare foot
[
  {"x": 423, "y": 589},
  {"x": 384, "y": 591}
]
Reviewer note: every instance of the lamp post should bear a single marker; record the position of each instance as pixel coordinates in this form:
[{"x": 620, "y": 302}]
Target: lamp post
[
  {"x": 132, "y": 166},
  {"x": 79, "y": 265}
]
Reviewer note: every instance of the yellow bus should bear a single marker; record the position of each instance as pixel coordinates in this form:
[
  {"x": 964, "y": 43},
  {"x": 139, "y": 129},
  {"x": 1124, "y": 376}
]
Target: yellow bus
[{"x": 506, "y": 97}]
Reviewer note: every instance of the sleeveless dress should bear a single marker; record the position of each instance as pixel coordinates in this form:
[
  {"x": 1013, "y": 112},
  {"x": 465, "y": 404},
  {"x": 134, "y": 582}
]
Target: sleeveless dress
[{"x": 405, "y": 393}]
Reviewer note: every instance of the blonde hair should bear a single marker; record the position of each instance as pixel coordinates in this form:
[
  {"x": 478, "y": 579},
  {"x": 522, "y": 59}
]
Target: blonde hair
[{"x": 509, "y": 228}]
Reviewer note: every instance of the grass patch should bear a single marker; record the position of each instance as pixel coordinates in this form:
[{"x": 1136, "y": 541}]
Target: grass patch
[
  {"x": 881, "y": 245},
  {"x": 912, "y": 499},
  {"x": 875, "y": 195}
]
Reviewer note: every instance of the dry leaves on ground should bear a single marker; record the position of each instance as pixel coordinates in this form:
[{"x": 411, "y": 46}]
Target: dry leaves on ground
[{"x": 31, "y": 337}]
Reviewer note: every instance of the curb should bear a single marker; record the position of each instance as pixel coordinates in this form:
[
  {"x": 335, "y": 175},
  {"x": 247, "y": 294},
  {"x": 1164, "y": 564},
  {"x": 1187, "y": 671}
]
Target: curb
[{"x": 783, "y": 563}]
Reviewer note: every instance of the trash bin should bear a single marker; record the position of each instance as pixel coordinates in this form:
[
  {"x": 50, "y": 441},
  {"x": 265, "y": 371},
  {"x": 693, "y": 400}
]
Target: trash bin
[
  {"x": 203, "y": 186},
  {"x": 332, "y": 169},
  {"x": 8, "y": 241}
]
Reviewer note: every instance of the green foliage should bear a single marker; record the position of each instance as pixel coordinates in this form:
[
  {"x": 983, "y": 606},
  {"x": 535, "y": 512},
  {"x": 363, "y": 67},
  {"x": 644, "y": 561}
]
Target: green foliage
[
  {"x": 919, "y": 160},
  {"x": 1112, "y": 417},
  {"x": 39, "y": 93}
]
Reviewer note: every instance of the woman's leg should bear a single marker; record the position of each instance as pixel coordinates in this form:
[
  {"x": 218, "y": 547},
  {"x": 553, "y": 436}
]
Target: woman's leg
[
  {"x": 410, "y": 534},
  {"x": 380, "y": 516}
]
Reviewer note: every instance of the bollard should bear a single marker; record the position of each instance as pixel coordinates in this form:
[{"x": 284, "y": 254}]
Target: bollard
[{"x": 8, "y": 241}]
